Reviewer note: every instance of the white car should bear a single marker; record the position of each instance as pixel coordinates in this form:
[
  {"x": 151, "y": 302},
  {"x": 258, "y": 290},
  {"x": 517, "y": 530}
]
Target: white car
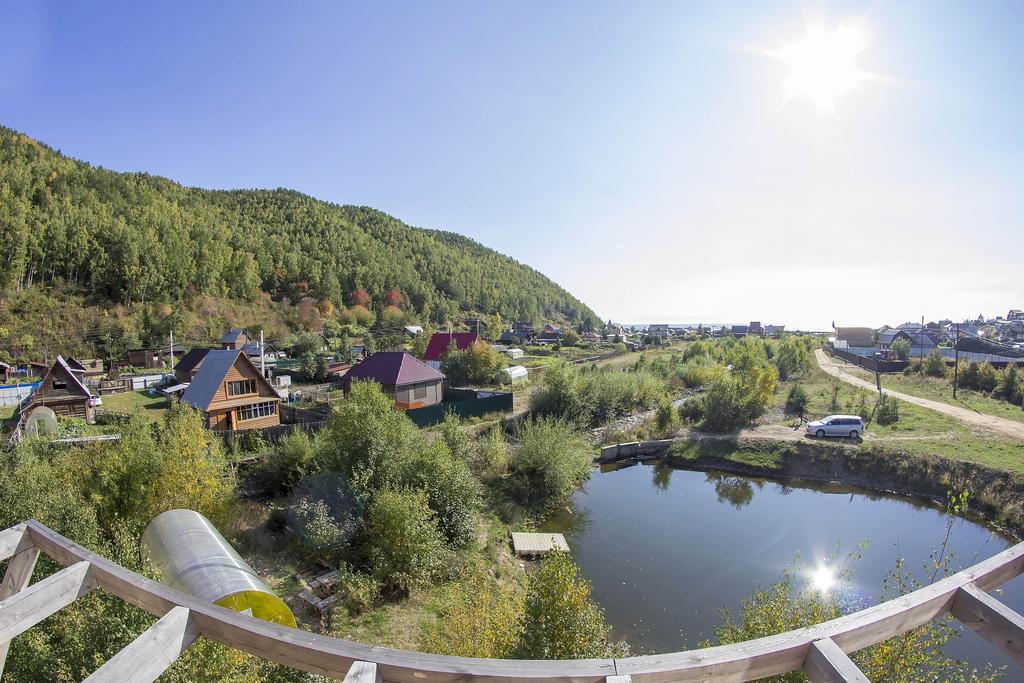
[{"x": 849, "y": 426}]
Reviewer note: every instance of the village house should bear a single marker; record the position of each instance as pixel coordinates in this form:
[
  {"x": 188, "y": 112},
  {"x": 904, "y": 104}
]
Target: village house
[
  {"x": 231, "y": 393},
  {"x": 754, "y": 329},
  {"x": 887, "y": 337},
  {"x": 150, "y": 357},
  {"x": 63, "y": 392},
  {"x": 412, "y": 330},
  {"x": 412, "y": 383},
  {"x": 659, "y": 330},
  {"x": 437, "y": 347},
  {"x": 738, "y": 331},
  {"x": 89, "y": 369},
  {"x": 774, "y": 330},
  {"x": 5, "y": 372},
  {"x": 234, "y": 339},
  {"x": 189, "y": 364},
  {"x": 854, "y": 337}
]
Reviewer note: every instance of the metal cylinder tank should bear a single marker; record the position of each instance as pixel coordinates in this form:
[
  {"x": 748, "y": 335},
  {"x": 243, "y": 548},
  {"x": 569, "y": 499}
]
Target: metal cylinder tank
[{"x": 194, "y": 558}]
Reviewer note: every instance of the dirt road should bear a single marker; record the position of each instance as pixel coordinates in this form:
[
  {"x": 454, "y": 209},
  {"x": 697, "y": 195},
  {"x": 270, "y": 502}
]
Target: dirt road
[{"x": 1003, "y": 427}]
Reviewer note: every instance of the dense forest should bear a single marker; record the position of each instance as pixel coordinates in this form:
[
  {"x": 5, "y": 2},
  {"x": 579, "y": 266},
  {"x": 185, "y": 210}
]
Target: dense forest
[{"x": 132, "y": 238}]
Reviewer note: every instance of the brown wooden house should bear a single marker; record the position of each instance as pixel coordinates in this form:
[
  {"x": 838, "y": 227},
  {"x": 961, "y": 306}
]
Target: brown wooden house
[
  {"x": 235, "y": 338},
  {"x": 63, "y": 392},
  {"x": 412, "y": 382},
  {"x": 231, "y": 393}
]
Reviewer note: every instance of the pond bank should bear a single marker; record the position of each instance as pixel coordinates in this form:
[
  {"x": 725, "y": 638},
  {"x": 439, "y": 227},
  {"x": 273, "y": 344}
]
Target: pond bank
[{"x": 996, "y": 495}]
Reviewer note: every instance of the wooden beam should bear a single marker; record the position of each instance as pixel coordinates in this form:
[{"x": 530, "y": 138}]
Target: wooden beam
[
  {"x": 11, "y": 540},
  {"x": 23, "y": 610},
  {"x": 16, "y": 579},
  {"x": 149, "y": 655},
  {"x": 362, "y": 672},
  {"x": 826, "y": 663},
  {"x": 992, "y": 620},
  {"x": 619, "y": 679}
]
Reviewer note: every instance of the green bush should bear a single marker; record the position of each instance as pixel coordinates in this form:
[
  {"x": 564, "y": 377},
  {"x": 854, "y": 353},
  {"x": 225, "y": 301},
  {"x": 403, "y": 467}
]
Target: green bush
[
  {"x": 595, "y": 395},
  {"x": 561, "y": 621},
  {"x": 476, "y": 364},
  {"x": 796, "y": 400},
  {"x": 692, "y": 409},
  {"x": 1011, "y": 386},
  {"x": 935, "y": 365},
  {"x": 404, "y": 546},
  {"x": 887, "y": 410},
  {"x": 901, "y": 348},
  {"x": 358, "y": 592},
  {"x": 287, "y": 463},
  {"x": 665, "y": 416},
  {"x": 453, "y": 493},
  {"x": 988, "y": 377},
  {"x": 549, "y": 461}
]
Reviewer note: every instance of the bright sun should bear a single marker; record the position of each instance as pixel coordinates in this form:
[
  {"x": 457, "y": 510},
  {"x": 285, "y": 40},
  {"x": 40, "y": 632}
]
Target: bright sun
[
  {"x": 822, "y": 579},
  {"x": 823, "y": 64}
]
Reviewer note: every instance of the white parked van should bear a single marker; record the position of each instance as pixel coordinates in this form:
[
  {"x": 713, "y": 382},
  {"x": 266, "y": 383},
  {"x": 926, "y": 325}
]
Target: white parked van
[{"x": 848, "y": 426}]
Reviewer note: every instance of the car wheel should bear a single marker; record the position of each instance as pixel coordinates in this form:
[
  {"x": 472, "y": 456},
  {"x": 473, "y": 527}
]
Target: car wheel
[
  {"x": 854, "y": 434},
  {"x": 820, "y": 433}
]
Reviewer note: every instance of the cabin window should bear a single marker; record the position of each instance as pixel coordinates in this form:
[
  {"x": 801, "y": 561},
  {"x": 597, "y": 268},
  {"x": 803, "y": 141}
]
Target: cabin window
[
  {"x": 242, "y": 387},
  {"x": 257, "y": 410},
  {"x": 420, "y": 391},
  {"x": 57, "y": 384}
]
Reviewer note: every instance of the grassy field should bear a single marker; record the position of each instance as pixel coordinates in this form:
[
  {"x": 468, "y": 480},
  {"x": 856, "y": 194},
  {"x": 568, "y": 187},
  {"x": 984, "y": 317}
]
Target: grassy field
[
  {"x": 137, "y": 402},
  {"x": 919, "y": 430},
  {"x": 938, "y": 389}
]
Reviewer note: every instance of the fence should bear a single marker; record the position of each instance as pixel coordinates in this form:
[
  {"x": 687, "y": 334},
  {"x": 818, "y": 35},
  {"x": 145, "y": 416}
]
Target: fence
[
  {"x": 871, "y": 363},
  {"x": 820, "y": 651},
  {"x": 464, "y": 403},
  {"x": 13, "y": 394}
]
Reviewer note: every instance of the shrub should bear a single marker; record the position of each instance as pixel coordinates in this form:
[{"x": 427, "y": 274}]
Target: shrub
[
  {"x": 483, "y": 618},
  {"x": 492, "y": 453},
  {"x": 560, "y": 620},
  {"x": 887, "y": 410},
  {"x": 277, "y": 520},
  {"x": 405, "y": 549},
  {"x": 935, "y": 365},
  {"x": 970, "y": 378},
  {"x": 477, "y": 364},
  {"x": 358, "y": 592},
  {"x": 325, "y": 515},
  {"x": 452, "y": 492},
  {"x": 792, "y": 357},
  {"x": 549, "y": 461},
  {"x": 1011, "y": 386},
  {"x": 287, "y": 463},
  {"x": 692, "y": 409},
  {"x": 796, "y": 400},
  {"x": 901, "y": 348},
  {"x": 988, "y": 377},
  {"x": 665, "y": 416},
  {"x": 723, "y": 406},
  {"x": 595, "y": 395}
]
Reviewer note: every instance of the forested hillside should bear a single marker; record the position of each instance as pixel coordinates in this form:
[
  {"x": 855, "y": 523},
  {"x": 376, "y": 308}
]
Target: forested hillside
[{"x": 133, "y": 238}]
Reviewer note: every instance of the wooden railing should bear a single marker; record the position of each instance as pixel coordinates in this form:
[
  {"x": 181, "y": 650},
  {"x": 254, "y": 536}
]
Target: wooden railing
[{"x": 820, "y": 650}]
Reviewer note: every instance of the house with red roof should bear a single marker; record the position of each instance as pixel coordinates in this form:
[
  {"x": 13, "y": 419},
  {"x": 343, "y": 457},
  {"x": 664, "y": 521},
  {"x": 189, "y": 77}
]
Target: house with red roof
[
  {"x": 413, "y": 383},
  {"x": 440, "y": 341}
]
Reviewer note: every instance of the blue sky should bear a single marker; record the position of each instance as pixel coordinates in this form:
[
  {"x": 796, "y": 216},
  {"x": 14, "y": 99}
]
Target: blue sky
[{"x": 644, "y": 155}]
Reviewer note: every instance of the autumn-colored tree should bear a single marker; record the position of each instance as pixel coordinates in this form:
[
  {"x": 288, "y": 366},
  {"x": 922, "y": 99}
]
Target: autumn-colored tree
[
  {"x": 393, "y": 298},
  {"x": 360, "y": 297}
]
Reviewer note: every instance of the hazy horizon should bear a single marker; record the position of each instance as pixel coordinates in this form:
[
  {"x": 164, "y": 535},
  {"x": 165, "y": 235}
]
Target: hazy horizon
[{"x": 660, "y": 161}]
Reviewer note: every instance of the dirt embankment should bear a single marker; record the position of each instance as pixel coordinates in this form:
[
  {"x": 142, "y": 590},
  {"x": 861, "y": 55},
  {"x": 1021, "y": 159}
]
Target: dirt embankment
[{"x": 996, "y": 495}]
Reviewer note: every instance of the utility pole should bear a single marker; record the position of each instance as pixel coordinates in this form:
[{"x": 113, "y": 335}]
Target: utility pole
[
  {"x": 956, "y": 364},
  {"x": 172, "y": 348},
  {"x": 263, "y": 357}
]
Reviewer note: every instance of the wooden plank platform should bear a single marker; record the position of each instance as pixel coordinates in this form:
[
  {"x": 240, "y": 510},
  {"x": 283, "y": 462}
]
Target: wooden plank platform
[{"x": 528, "y": 544}]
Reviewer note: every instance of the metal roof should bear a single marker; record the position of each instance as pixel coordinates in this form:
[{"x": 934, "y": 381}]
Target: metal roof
[
  {"x": 211, "y": 375},
  {"x": 440, "y": 341},
  {"x": 232, "y": 335},
  {"x": 191, "y": 359},
  {"x": 396, "y": 368}
]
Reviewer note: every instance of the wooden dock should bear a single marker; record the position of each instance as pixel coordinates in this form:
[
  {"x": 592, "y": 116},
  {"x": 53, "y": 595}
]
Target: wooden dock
[{"x": 532, "y": 544}]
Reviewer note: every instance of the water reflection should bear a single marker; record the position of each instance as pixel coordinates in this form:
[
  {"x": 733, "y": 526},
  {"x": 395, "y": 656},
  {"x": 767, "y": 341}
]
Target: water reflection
[{"x": 737, "y": 491}]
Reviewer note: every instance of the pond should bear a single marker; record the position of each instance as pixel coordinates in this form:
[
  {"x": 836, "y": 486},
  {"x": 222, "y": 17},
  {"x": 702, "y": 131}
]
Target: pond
[{"x": 666, "y": 549}]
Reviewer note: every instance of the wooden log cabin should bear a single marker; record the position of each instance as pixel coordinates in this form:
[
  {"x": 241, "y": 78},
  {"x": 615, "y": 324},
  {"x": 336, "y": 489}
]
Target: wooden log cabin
[
  {"x": 231, "y": 393},
  {"x": 63, "y": 392}
]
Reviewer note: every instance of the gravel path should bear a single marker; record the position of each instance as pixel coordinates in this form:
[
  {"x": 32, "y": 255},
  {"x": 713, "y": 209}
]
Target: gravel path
[{"x": 1001, "y": 426}]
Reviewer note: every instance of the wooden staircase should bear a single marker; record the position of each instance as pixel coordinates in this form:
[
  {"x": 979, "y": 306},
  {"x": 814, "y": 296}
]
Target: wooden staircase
[{"x": 820, "y": 650}]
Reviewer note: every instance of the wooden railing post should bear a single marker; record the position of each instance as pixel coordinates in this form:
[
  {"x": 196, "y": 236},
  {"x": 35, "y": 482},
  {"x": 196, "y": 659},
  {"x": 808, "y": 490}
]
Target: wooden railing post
[
  {"x": 991, "y": 619},
  {"x": 151, "y": 653},
  {"x": 16, "y": 579},
  {"x": 363, "y": 672},
  {"x": 827, "y": 663}
]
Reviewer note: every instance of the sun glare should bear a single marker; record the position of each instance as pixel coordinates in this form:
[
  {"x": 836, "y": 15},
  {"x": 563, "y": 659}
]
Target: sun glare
[
  {"x": 823, "y": 64},
  {"x": 822, "y": 579}
]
